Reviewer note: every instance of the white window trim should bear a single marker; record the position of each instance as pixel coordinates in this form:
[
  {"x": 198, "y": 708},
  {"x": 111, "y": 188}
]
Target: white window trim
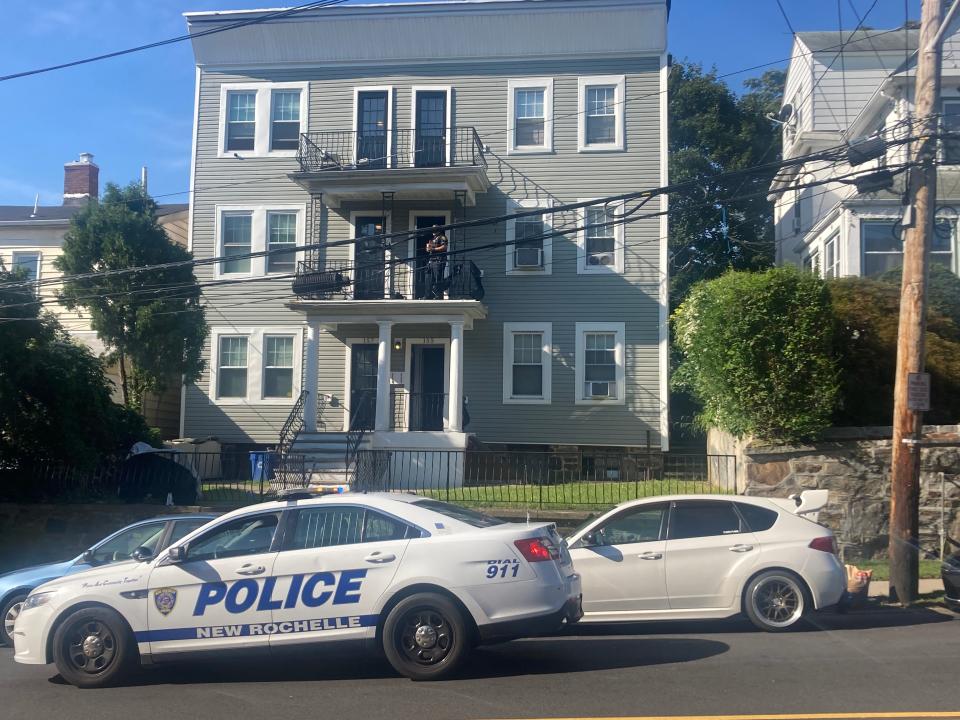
[
  {"x": 255, "y": 363},
  {"x": 618, "y": 243},
  {"x": 38, "y": 253},
  {"x": 263, "y": 367},
  {"x": 582, "y": 328},
  {"x": 536, "y": 83},
  {"x": 620, "y": 83},
  {"x": 448, "y": 89},
  {"x": 388, "y": 89},
  {"x": 352, "y": 247},
  {"x": 408, "y": 343},
  {"x": 263, "y": 128},
  {"x": 258, "y": 235},
  {"x": 348, "y": 373},
  {"x": 509, "y": 328},
  {"x": 834, "y": 238},
  {"x": 520, "y": 206}
]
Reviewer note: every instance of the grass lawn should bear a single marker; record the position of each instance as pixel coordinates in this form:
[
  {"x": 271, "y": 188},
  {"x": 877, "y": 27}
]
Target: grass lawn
[
  {"x": 929, "y": 569},
  {"x": 582, "y": 495}
]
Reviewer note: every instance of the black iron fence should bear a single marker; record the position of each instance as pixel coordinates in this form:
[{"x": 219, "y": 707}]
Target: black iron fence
[
  {"x": 418, "y": 279},
  {"x": 333, "y": 150},
  {"x": 543, "y": 479},
  {"x": 417, "y": 411}
]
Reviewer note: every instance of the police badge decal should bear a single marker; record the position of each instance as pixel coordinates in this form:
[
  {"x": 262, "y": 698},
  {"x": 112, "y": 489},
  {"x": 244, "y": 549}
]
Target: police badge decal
[{"x": 165, "y": 599}]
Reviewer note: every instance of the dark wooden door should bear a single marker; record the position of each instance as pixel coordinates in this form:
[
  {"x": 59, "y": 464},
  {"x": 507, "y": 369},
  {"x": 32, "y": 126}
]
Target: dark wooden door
[
  {"x": 429, "y": 399},
  {"x": 431, "y": 140},
  {"x": 372, "y": 121},
  {"x": 363, "y": 386},
  {"x": 369, "y": 259}
]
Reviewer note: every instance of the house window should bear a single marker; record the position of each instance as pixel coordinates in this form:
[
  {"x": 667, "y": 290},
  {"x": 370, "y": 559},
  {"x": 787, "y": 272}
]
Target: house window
[
  {"x": 278, "y": 366},
  {"x": 797, "y": 212},
  {"x": 600, "y": 363},
  {"x": 811, "y": 263},
  {"x": 241, "y": 120},
  {"x": 601, "y": 113},
  {"x": 237, "y": 240},
  {"x": 29, "y": 264},
  {"x": 882, "y": 245},
  {"x": 527, "y": 372},
  {"x": 285, "y": 120},
  {"x": 232, "y": 367},
  {"x": 529, "y": 245},
  {"x": 601, "y": 239},
  {"x": 530, "y": 120},
  {"x": 281, "y": 242},
  {"x": 950, "y": 123},
  {"x": 831, "y": 254}
]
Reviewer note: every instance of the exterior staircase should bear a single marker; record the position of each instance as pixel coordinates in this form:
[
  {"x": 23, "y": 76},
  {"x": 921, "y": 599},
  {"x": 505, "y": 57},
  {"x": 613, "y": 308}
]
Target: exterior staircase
[{"x": 324, "y": 456}]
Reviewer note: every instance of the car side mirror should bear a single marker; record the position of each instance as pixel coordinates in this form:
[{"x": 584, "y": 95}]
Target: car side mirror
[
  {"x": 87, "y": 557},
  {"x": 592, "y": 538},
  {"x": 142, "y": 554},
  {"x": 177, "y": 554}
]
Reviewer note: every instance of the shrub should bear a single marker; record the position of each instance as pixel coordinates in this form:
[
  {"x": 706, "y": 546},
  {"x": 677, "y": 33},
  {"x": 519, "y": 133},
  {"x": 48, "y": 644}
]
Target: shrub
[{"x": 757, "y": 353}]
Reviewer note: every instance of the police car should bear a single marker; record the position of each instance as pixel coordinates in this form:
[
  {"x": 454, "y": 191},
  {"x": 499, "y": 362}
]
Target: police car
[{"x": 424, "y": 579}]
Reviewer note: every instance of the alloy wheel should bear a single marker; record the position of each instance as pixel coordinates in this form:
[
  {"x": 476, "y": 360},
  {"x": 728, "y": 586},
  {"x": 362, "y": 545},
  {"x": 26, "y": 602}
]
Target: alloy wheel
[
  {"x": 11, "y": 618},
  {"x": 778, "y": 601}
]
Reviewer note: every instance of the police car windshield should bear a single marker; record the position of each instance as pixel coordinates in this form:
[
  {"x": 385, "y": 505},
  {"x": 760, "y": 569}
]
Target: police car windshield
[{"x": 470, "y": 517}]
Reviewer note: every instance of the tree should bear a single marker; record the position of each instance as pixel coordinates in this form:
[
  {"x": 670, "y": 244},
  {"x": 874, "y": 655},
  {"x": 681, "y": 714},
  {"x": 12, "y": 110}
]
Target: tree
[
  {"x": 757, "y": 353},
  {"x": 725, "y": 222},
  {"x": 151, "y": 321},
  {"x": 55, "y": 401}
]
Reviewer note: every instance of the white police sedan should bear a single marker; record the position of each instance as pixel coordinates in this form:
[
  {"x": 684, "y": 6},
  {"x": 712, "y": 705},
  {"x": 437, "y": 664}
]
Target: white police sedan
[{"x": 425, "y": 579}]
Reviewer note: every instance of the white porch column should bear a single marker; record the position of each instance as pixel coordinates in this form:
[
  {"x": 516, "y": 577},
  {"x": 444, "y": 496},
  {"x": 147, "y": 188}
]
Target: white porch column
[
  {"x": 455, "y": 409},
  {"x": 311, "y": 373},
  {"x": 382, "y": 421}
]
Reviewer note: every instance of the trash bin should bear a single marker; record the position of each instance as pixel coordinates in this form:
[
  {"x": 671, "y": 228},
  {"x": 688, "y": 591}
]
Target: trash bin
[{"x": 261, "y": 466}]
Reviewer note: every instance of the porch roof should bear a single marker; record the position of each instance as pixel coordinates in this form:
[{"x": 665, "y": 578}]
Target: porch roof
[{"x": 336, "y": 312}]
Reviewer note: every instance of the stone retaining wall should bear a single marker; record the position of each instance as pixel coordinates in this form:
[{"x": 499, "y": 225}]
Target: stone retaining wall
[{"x": 854, "y": 465}]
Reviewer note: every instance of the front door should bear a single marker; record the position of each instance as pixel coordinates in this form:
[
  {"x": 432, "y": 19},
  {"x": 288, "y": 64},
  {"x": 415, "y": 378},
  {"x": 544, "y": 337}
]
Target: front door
[
  {"x": 213, "y": 598},
  {"x": 369, "y": 258},
  {"x": 622, "y": 564},
  {"x": 709, "y": 552},
  {"x": 372, "y": 107},
  {"x": 363, "y": 386},
  {"x": 427, "y": 399},
  {"x": 431, "y": 136},
  {"x": 422, "y": 278}
]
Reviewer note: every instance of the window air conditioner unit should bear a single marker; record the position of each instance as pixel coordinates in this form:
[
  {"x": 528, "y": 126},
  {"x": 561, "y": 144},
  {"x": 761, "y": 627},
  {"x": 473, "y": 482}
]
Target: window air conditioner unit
[
  {"x": 604, "y": 259},
  {"x": 528, "y": 258},
  {"x": 599, "y": 389}
]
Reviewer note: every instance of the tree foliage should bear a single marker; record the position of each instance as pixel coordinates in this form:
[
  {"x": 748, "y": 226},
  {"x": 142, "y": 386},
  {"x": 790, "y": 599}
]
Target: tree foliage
[
  {"x": 866, "y": 316},
  {"x": 55, "y": 401},
  {"x": 756, "y": 351},
  {"x": 726, "y": 222},
  {"x": 152, "y": 320}
]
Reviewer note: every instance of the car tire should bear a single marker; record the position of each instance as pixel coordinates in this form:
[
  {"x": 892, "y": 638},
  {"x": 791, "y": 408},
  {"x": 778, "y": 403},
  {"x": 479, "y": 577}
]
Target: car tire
[
  {"x": 425, "y": 637},
  {"x": 94, "y": 647},
  {"x": 776, "y": 600},
  {"x": 8, "y": 613}
]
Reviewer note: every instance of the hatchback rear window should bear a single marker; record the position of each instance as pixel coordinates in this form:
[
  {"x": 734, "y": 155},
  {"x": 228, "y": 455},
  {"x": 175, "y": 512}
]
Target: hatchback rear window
[
  {"x": 470, "y": 517},
  {"x": 758, "y": 518}
]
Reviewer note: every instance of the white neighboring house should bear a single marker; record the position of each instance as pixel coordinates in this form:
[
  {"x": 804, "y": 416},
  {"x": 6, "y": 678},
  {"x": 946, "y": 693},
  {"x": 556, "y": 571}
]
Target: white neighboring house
[
  {"x": 841, "y": 91},
  {"x": 31, "y": 237}
]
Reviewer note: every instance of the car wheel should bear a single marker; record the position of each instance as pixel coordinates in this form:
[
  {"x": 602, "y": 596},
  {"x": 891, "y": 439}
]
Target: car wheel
[
  {"x": 775, "y": 600},
  {"x": 9, "y": 614},
  {"x": 94, "y": 647},
  {"x": 425, "y": 637}
]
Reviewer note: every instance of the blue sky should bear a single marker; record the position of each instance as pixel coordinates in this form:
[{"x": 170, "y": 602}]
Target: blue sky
[{"x": 138, "y": 109}]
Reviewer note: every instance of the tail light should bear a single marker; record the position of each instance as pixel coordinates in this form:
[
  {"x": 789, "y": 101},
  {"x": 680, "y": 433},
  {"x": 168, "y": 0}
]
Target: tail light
[
  {"x": 537, "y": 549},
  {"x": 826, "y": 543}
]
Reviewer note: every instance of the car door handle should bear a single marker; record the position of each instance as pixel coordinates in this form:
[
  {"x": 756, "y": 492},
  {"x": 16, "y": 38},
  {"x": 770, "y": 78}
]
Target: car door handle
[
  {"x": 249, "y": 569},
  {"x": 379, "y": 557},
  {"x": 650, "y": 556},
  {"x": 741, "y": 548}
]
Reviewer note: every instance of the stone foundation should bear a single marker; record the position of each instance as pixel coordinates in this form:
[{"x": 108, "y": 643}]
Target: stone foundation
[{"x": 854, "y": 465}]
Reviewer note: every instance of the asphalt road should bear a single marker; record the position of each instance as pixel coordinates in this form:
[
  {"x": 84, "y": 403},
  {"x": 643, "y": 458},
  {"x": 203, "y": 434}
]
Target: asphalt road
[{"x": 891, "y": 661}]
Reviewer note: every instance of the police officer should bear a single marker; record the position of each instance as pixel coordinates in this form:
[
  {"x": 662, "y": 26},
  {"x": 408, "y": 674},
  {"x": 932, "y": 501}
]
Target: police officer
[{"x": 437, "y": 263}]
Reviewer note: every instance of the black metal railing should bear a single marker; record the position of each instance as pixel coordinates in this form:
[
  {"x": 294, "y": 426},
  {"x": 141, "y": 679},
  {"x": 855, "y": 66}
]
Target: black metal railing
[
  {"x": 363, "y": 410},
  {"x": 417, "y": 411},
  {"x": 543, "y": 479},
  {"x": 418, "y": 279},
  {"x": 400, "y": 148},
  {"x": 293, "y": 424}
]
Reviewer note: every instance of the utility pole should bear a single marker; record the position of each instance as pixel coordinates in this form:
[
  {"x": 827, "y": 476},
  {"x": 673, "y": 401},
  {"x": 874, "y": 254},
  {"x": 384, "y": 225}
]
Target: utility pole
[{"x": 908, "y": 423}]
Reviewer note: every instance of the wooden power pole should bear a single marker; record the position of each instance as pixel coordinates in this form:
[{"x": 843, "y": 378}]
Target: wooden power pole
[{"x": 907, "y": 415}]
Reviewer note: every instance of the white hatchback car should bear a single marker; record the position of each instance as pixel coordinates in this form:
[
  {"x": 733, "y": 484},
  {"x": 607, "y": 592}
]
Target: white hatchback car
[
  {"x": 708, "y": 556},
  {"x": 425, "y": 579}
]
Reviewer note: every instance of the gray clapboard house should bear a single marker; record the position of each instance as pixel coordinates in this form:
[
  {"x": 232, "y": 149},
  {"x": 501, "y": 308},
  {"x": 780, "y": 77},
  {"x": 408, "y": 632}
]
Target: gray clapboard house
[{"x": 376, "y": 123}]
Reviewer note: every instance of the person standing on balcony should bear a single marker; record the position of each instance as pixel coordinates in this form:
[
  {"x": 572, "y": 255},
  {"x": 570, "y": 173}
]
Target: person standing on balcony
[{"x": 437, "y": 263}]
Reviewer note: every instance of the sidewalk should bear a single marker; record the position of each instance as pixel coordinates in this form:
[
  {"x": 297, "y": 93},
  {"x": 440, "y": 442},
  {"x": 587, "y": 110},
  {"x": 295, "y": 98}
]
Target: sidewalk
[{"x": 882, "y": 587}]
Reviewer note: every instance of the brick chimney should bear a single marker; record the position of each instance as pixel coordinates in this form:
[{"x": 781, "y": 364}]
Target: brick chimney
[{"x": 80, "y": 180}]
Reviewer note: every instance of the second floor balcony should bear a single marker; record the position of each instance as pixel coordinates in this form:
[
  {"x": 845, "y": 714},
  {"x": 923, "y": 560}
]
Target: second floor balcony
[{"x": 416, "y": 163}]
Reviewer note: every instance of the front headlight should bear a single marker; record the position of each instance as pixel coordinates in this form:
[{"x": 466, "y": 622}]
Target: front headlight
[{"x": 38, "y": 599}]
